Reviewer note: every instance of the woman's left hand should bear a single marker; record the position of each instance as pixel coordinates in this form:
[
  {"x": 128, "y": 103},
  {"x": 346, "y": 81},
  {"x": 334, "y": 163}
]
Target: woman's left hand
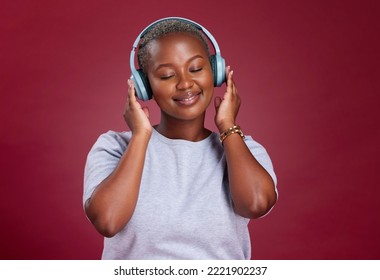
[{"x": 228, "y": 107}]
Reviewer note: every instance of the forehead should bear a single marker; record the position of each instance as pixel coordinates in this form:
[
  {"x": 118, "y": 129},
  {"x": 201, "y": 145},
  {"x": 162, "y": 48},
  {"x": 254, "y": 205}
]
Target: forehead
[{"x": 176, "y": 42}]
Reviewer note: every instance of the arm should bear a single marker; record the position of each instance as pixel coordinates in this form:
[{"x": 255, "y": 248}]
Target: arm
[
  {"x": 252, "y": 188},
  {"x": 114, "y": 200}
]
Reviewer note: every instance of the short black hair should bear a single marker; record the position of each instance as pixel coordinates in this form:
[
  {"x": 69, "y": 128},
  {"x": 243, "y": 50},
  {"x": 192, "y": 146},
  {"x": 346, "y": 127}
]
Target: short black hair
[{"x": 162, "y": 29}]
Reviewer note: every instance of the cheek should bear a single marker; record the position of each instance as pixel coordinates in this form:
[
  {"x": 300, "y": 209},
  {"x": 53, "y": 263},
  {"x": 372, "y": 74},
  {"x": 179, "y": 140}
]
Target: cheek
[
  {"x": 208, "y": 77},
  {"x": 207, "y": 81},
  {"x": 159, "y": 88}
]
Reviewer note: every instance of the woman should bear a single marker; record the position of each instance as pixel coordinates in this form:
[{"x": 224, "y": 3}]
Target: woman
[{"x": 177, "y": 190}]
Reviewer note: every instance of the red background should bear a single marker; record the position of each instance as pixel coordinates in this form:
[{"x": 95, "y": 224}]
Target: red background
[{"x": 308, "y": 74}]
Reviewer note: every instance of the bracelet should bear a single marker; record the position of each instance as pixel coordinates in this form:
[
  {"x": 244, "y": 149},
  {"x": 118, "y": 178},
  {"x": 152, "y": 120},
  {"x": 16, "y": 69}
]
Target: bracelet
[{"x": 230, "y": 131}]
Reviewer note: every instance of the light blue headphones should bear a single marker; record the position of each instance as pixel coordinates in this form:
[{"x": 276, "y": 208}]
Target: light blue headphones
[{"x": 140, "y": 80}]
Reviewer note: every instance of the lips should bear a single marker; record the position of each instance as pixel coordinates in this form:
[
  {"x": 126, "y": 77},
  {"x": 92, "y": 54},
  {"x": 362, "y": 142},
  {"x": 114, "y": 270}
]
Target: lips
[{"x": 187, "y": 99}]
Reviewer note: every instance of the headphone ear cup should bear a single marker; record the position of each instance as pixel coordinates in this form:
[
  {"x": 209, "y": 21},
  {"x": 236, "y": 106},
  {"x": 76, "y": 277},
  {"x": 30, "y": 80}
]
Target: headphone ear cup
[
  {"x": 213, "y": 68},
  {"x": 142, "y": 86},
  {"x": 218, "y": 69},
  {"x": 146, "y": 85}
]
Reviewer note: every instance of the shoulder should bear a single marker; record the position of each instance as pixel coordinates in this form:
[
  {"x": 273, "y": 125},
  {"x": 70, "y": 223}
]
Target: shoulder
[
  {"x": 115, "y": 137},
  {"x": 112, "y": 141}
]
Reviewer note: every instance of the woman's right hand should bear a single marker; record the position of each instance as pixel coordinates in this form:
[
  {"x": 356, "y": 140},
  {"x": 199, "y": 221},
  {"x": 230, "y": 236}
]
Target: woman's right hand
[{"x": 136, "y": 116}]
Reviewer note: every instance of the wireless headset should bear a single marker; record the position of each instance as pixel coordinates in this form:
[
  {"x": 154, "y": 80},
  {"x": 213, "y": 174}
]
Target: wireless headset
[{"x": 140, "y": 80}]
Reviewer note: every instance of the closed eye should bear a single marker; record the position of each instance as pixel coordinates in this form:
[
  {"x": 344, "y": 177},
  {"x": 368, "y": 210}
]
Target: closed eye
[
  {"x": 166, "y": 77},
  {"x": 196, "y": 69}
]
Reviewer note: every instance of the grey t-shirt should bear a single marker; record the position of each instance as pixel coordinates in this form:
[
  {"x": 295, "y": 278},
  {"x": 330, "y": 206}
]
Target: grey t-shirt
[{"x": 184, "y": 209}]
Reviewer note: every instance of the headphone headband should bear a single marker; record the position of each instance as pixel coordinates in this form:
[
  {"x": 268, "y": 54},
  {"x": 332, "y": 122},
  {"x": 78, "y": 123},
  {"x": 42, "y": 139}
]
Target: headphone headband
[{"x": 142, "y": 85}]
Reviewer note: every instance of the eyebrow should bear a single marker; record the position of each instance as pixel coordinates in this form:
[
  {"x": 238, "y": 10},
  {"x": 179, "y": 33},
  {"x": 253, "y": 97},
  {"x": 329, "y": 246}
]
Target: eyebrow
[{"x": 170, "y": 64}]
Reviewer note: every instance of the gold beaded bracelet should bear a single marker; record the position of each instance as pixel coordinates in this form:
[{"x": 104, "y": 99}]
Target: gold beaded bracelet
[{"x": 231, "y": 130}]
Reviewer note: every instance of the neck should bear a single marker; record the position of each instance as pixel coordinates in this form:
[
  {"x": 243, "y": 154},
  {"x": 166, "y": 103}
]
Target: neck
[{"x": 193, "y": 130}]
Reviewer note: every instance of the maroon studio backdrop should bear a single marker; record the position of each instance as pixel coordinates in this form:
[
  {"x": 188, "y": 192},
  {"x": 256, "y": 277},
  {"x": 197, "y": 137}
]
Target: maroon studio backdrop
[{"x": 308, "y": 75}]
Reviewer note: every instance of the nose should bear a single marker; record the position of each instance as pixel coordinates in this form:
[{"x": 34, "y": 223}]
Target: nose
[{"x": 185, "y": 81}]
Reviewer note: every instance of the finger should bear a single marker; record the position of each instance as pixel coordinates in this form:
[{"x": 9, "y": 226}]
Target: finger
[
  {"x": 217, "y": 102},
  {"x": 146, "y": 111},
  {"x": 227, "y": 71},
  {"x": 131, "y": 91},
  {"x": 231, "y": 81},
  {"x": 230, "y": 84}
]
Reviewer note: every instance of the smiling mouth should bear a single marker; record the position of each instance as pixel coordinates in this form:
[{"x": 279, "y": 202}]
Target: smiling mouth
[{"x": 188, "y": 100}]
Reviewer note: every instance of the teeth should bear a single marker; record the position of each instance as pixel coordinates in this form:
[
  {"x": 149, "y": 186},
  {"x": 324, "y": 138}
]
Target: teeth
[{"x": 188, "y": 99}]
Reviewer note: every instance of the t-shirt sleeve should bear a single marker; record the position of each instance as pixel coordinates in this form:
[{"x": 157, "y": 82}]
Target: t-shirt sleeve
[
  {"x": 102, "y": 160},
  {"x": 261, "y": 155}
]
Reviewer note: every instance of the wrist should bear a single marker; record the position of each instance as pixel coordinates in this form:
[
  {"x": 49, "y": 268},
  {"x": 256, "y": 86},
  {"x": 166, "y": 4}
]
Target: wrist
[
  {"x": 235, "y": 129},
  {"x": 142, "y": 134},
  {"x": 225, "y": 125}
]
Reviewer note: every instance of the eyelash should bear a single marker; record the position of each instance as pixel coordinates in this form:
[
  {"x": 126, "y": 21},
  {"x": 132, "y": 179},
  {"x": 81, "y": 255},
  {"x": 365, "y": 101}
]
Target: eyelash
[
  {"x": 166, "y": 77},
  {"x": 197, "y": 69},
  {"x": 192, "y": 71}
]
